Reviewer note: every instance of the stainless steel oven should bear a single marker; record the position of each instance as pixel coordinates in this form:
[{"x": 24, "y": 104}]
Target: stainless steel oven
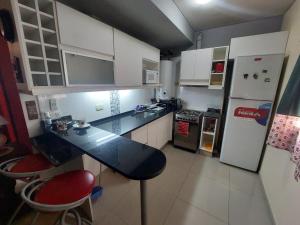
[{"x": 187, "y": 129}]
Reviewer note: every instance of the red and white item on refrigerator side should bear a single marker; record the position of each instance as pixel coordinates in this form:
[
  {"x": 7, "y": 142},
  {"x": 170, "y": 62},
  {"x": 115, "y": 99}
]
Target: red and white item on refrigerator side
[{"x": 253, "y": 89}]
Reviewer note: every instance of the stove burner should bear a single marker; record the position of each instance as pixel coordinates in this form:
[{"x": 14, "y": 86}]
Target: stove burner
[{"x": 188, "y": 116}]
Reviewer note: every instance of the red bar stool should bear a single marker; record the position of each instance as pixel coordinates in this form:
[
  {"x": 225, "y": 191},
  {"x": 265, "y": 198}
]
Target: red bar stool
[
  {"x": 26, "y": 168},
  {"x": 63, "y": 192}
]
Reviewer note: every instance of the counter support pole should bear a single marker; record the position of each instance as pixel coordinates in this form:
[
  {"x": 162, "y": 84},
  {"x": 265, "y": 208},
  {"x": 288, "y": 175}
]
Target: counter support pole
[{"x": 143, "y": 190}]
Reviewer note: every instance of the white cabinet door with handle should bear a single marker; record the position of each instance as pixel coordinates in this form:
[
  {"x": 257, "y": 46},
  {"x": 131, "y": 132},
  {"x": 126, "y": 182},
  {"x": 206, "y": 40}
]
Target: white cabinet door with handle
[
  {"x": 187, "y": 69},
  {"x": 203, "y": 62},
  {"x": 81, "y": 31},
  {"x": 128, "y": 60}
]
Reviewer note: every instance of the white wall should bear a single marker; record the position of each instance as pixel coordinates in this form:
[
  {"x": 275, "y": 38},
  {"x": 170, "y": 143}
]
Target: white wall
[
  {"x": 221, "y": 36},
  {"x": 83, "y": 105},
  {"x": 200, "y": 98},
  {"x": 277, "y": 171}
]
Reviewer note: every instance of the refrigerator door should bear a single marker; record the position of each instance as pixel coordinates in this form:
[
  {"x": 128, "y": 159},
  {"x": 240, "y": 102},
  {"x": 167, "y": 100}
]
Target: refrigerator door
[
  {"x": 256, "y": 77},
  {"x": 244, "y": 133}
]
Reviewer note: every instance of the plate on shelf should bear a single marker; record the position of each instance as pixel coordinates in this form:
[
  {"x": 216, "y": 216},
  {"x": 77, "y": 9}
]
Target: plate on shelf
[{"x": 84, "y": 126}]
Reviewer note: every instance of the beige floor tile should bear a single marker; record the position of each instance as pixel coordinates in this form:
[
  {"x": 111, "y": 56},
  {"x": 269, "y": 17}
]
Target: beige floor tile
[
  {"x": 206, "y": 194},
  {"x": 110, "y": 219},
  {"x": 179, "y": 158},
  {"x": 128, "y": 208},
  {"x": 211, "y": 168},
  {"x": 115, "y": 187},
  {"x": 171, "y": 179},
  {"x": 248, "y": 210},
  {"x": 183, "y": 213},
  {"x": 246, "y": 182},
  {"x": 159, "y": 203}
]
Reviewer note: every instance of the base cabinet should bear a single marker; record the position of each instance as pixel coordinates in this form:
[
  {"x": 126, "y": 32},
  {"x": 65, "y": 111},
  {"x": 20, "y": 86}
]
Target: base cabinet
[
  {"x": 140, "y": 135},
  {"x": 155, "y": 134},
  {"x": 91, "y": 165}
]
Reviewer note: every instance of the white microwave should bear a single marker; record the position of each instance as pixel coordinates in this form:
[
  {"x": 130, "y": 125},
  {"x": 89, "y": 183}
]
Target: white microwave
[{"x": 150, "y": 77}]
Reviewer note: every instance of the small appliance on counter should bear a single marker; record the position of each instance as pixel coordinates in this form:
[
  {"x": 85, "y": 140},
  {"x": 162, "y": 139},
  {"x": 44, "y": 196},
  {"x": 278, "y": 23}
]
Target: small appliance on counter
[
  {"x": 174, "y": 104},
  {"x": 150, "y": 77},
  {"x": 186, "y": 129}
]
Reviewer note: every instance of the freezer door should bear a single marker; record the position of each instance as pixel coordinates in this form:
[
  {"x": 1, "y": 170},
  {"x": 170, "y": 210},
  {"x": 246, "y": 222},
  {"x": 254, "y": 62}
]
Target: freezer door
[
  {"x": 256, "y": 77},
  {"x": 244, "y": 132}
]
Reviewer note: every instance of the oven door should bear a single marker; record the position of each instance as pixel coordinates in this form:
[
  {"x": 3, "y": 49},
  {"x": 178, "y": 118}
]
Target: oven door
[{"x": 186, "y": 135}]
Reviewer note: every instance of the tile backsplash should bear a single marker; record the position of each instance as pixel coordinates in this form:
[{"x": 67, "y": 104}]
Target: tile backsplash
[{"x": 89, "y": 106}]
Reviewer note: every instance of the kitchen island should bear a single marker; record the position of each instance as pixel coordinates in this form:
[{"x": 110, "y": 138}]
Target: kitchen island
[{"x": 131, "y": 159}]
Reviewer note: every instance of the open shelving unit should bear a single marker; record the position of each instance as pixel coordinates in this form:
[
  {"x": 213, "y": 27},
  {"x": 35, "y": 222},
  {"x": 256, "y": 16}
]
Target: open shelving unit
[
  {"x": 219, "y": 63},
  {"x": 38, "y": 37},
  {"x": 209, "y": 132}
]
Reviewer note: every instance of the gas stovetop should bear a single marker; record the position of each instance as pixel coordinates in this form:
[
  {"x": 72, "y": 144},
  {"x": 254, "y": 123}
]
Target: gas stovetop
[{"x": 189, "y": 115}]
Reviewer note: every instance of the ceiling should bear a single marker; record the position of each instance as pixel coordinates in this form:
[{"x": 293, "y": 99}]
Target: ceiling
[
  {"x": 227, "y": 12},
  {"x": 140, "y": 18}
]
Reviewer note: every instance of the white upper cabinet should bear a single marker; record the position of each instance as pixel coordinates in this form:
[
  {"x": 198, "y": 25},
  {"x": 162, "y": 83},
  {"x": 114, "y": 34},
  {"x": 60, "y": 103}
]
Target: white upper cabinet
[
  {"x": 81, "y": 31},
  {"x": 262, "y": 44},
  {"x": 203, "y": 63},
  {"x": 128, "y": 60},
  {"x": 149, "y": 52},
  {"x": 187, "y": 69},
  {"x": 131, "y": 57},
  {"x": 196, "y": 66}
]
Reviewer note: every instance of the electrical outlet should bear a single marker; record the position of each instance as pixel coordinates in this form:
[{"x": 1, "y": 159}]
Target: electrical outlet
[
  {"x": 53, "y": 104},
  {"x": 99, "y": 107}
]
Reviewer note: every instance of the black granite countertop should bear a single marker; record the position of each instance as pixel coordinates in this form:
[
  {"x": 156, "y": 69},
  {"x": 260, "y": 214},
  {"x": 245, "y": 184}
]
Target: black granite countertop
[
  {"x": 133, "y": 160},
  {"x": 102, "y": 141},
  {"x": 126, "y": 122}
]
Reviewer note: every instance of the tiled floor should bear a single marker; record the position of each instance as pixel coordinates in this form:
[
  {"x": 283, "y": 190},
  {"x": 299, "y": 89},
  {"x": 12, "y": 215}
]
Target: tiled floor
[{"x": 193, "y": 190}]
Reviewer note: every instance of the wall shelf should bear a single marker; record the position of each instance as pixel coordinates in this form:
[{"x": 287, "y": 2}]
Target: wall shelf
[
  {"x": 219, "y": 64},
  {"x": 36, "y": 26},
  {"x": 209, "y": 132}
]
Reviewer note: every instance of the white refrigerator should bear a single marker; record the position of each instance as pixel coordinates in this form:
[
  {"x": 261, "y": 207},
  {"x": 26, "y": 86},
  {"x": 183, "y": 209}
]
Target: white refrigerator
[{"x": 252, "y": 92}]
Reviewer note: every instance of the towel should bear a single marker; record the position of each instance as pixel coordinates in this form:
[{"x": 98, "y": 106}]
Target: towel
[{"x": 183, "y": 128}]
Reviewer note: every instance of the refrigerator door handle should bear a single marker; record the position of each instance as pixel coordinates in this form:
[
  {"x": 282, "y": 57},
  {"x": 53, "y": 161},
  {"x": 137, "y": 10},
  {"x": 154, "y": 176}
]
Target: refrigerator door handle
[{"x": 260, "y": 100}]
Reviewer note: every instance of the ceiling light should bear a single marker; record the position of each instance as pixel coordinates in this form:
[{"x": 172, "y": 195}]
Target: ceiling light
[{"x": 202, "y": 2}]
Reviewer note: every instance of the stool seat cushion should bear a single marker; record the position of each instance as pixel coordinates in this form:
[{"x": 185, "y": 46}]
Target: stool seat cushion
[
  {"x": 31, "y": 163},
  {"x": 66, "y": 188}
]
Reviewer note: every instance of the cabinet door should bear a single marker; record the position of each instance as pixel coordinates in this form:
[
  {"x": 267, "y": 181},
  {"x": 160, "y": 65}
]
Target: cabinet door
[
  {"x": 85, "y": 70},
  {"x": 170, "y": 126},
  {"x": 140, "y": 135},
  {"x": 187, "y": 65},
  {"x": 149, "y": 52},
  {"x": 128, "y": 61},
  {"x": 91, "y": 164},
  {"x": 203, "y": 62},
  {"x": 79, "y": 30},
  {"x": 152, "y": 134}
]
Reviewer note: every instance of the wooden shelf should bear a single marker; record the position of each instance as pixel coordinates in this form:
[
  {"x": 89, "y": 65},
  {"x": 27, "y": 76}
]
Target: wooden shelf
[
  {"x": 38, "y": 72},
  {"x": 53, "y": 73},
  {"x": 215, "y": 86},
  {"x": 206, "y": 149},
  {"x": 52, "y": 60},
  {"x": 32, "y": 42},
  {"x": 219, "y": 60},
  {"x": 49, "y": 30},
  {"x": 29, "y": 25},
  {"x": 50, "y": 45},
  {"x": 35, "y": 57},
  {"x": 27, "y": 7},
  {"x": 46, "y": 15}
]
